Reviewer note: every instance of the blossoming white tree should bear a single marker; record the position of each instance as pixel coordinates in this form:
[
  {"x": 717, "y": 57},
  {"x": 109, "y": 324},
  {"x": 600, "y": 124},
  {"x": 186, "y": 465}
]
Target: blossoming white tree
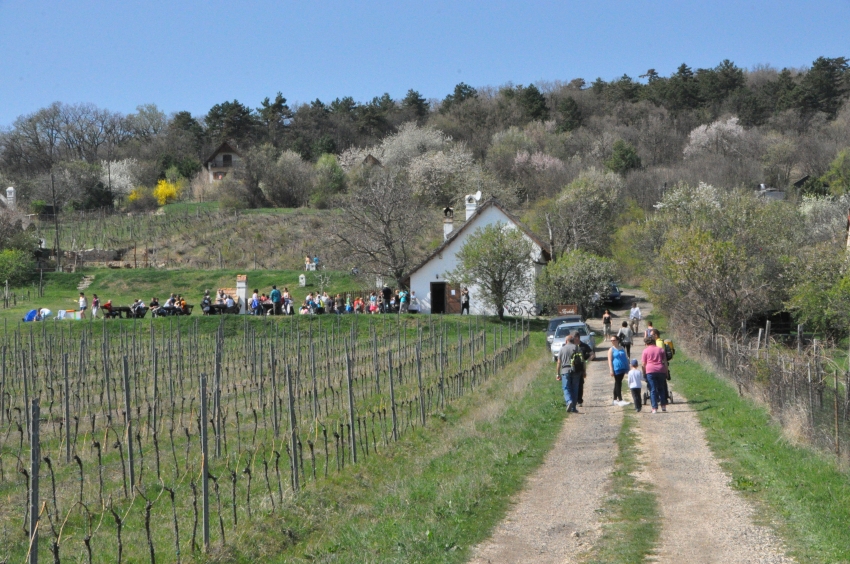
[
  {"x": 723, "y": 137},
  {"x": 121, "y": 175}
]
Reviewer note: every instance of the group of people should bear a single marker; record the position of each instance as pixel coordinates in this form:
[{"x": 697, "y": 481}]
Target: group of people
[
  {"x": 653, "y": 367},
  {"x": 174, "y": 305},
  {"x": 278, "y": 302},
  {"x": 385, "y": 301}
]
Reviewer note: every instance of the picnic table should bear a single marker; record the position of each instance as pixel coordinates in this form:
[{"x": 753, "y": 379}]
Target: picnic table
[
  {"x": 126, "y": 312},
  {"x": 164, "y": 311},
  {"x": 218, "y": 309},
  {"x": 119, "y": 311}
]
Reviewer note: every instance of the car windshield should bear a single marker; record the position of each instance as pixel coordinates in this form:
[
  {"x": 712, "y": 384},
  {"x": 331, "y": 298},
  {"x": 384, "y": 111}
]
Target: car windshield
[{"x": 564, "y": 331}]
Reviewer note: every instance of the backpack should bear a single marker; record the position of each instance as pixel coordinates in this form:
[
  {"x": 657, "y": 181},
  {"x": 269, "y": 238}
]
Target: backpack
[
  {"x": 577, "y": 361},
  {"x": 623, "y": 339},
  {"x": 669, "y": 349}
]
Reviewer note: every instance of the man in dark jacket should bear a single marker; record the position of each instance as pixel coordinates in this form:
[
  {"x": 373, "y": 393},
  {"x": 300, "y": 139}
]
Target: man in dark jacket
[{"x": 588, "y": 355}]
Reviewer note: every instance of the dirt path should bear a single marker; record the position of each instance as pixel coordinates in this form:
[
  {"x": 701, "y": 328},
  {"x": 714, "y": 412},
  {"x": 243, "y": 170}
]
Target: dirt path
[
  {"x": 555, "y": 518},
  {"x": 703, "y": 518}
]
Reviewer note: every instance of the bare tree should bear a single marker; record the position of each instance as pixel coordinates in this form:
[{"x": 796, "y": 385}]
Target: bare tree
[{"x": 382, "y": 227}]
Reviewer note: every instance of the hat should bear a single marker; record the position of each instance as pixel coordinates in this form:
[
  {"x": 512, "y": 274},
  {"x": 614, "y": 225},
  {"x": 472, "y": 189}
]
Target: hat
[{"x": 634, "y": 362}]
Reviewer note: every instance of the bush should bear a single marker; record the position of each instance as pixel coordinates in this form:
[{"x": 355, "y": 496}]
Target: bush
[
  {"x": 18, "y": 267},
  {"x": 167, "y": 192},
  {"x": 141, "y": 199}
]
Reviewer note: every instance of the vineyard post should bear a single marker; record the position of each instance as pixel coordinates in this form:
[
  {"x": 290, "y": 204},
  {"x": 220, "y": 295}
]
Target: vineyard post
[
  {"x": 128, "y": 416},
  {"x": 217, "y": 393},
  {"x": 315, "y": 384},
  {"x": 421, "y": 391},
  {"x": 205, "y": 483},
  {"x": 351, "y": 437},
  {"x": 392, "y": 394},
  {"x": 766, "y": 340},
  {"x": 799, "y": 339},
  {"x": 67, "y": 409},
  {"x": 272, "y": 369},
  {"x": 835, "y": 405},
  {"x": 27, "y": 415},
  {"x": 155, "y": 384},
  {"x": 34, "y": 460},
  {"x": 3, "y": 386},
  {"x": 293, "y": 432}
]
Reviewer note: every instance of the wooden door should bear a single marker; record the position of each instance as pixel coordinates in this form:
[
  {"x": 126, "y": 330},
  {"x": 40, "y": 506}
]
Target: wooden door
[{"x": 452, "y": 299}]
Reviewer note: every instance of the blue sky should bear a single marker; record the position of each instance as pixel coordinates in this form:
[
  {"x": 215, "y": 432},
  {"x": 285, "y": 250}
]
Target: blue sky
[{"x": 188, "y": 55}]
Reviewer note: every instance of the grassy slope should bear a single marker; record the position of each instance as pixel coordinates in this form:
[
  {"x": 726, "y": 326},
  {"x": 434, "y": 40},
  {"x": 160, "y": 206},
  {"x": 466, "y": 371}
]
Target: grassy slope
[
  {"x": 801, "y": 491},
  {"x": 433, "y": 496}
]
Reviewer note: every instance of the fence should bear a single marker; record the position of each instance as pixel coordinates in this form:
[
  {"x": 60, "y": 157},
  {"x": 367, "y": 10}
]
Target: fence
[
  {"x": 804, "y": 389},
  {"x": 162, "y": 439}
]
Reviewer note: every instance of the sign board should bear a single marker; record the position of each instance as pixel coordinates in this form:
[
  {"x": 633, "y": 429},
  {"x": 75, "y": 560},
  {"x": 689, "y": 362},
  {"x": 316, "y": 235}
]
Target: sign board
[
  {"x": 302, "y": 280},
  {"x": 567, "y": 309}
]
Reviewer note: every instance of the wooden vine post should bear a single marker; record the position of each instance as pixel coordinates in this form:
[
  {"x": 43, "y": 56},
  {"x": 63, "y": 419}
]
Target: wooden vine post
[
  {"x": 35, "y": 457},
  {"x": 351, "y": 438},
  {"x": 128, "y": 417},
  {"x": 205, "y": 483},
  {"x": 293, "y": 430}
]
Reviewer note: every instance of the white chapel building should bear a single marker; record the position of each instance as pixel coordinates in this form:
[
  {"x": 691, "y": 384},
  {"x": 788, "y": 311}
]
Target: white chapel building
[{"x": 428, "y": 279}]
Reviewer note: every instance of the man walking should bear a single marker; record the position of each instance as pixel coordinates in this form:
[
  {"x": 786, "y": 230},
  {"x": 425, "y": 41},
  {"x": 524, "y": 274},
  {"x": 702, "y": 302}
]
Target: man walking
[
  {"x": 464, "y": 301},
  {"x": 586, "y": 355},
  {"x": 634, "y": 319},
  {"x": 568, "y": 374}
]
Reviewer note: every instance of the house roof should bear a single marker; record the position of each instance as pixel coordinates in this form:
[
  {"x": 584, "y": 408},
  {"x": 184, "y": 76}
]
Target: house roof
[
  {"x": 468, "y": 223},
  {"x": 225, "y": 147}
]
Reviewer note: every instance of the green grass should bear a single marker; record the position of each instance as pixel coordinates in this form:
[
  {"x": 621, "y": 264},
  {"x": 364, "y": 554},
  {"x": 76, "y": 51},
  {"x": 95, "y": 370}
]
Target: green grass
[
  {"x": 431, "y": 497},
  {"x": 633, "y": 518},
  {"x": 799, "y": 490}
]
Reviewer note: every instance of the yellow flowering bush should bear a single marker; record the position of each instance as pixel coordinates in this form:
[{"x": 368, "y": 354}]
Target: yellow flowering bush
[
  {"x": 136, "y": 193},
  {"x": 167, "y": 192}
]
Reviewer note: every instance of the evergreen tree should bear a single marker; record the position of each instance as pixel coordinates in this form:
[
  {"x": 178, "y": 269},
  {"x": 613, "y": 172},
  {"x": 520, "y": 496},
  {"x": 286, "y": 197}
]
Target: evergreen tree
[
  {"x": 570, "y": 114},
  {"x": 623, "y": 158}
]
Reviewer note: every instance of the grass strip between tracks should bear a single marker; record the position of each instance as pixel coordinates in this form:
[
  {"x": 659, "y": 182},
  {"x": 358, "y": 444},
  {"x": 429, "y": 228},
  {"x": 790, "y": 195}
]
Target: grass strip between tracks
[{"x": 633, "y": 520}]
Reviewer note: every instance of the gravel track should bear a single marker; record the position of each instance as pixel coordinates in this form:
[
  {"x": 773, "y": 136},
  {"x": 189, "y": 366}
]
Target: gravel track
[
  {"x": 555, "y": 518},
  {"x": 703, "y": 519}
]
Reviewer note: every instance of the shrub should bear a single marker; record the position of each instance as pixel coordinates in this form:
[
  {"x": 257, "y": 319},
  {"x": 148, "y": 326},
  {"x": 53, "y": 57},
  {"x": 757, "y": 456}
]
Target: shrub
[
  {"x": 18, "y": 267},
  {"x": 141, "y": 199},
  {"x": 167, "y": 192}
]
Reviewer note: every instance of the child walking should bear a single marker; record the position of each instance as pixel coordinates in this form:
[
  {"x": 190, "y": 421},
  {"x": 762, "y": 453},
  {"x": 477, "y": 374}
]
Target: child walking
[{"x": 635, "y": 376}]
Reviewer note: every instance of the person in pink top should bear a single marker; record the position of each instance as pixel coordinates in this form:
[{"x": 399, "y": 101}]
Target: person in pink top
[{"x": 653, "y": 363}]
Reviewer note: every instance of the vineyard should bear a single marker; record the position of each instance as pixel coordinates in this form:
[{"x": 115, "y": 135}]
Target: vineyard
[
  {"x": 200, "y": 238},
  {"x": 138, "y": 441}
]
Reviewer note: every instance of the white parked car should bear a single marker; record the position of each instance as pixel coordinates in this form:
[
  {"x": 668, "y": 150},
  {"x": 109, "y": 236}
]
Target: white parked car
[{"x": 564, "y": 329}]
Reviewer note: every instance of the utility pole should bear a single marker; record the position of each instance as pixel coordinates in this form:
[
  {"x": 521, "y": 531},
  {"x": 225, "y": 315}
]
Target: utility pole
[{"x": 56, "y": 221}]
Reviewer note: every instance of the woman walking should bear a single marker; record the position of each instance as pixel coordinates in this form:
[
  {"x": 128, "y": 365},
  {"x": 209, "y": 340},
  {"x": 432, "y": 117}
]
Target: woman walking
[
  {"x": 625, "y": 336},
  {"x": 618, "y": 366},
  {"x": 606, "y": 323},
  {"x": 654, "y": 366}
]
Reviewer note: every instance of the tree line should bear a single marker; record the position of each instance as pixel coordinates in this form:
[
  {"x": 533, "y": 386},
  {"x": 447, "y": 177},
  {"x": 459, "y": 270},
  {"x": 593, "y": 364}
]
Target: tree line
[{"x": 630, "y": 125}]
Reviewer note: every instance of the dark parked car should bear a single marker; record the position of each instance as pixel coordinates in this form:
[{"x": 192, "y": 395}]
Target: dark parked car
[
  {"x": 555, "y": 321},
  {"x": 614, "y": 294}
]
